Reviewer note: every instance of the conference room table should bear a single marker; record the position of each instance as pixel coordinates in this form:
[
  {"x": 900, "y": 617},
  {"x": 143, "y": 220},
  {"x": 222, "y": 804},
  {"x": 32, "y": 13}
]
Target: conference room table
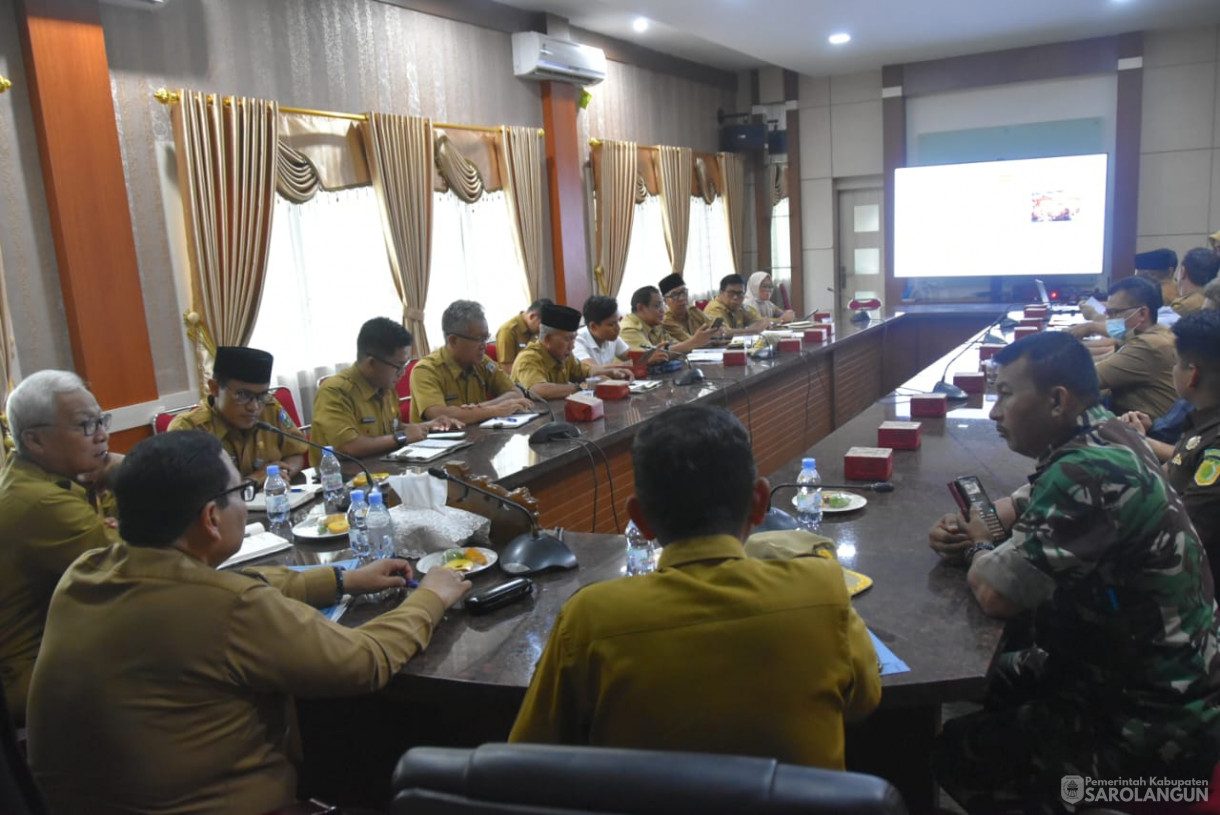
[{"x": 466, "y": 688}]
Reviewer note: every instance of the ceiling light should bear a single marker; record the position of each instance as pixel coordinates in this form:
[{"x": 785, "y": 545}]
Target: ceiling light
[
  {"x": 839, "y": 39},
  {"x": 640, "y": 24}
]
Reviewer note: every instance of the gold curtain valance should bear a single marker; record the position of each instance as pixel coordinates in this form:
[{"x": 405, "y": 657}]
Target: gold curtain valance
[
  {"x": 707, "y": 182},
  {"x": 779, "y": 183}
]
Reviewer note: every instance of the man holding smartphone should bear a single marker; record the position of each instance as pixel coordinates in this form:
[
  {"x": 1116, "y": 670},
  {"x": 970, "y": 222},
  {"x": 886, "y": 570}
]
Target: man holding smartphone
[{"x": 1122, "y": 679}]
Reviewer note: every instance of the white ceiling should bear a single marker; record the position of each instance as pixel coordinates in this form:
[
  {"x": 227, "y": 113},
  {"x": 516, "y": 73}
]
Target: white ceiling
[{"x": 738, "y": 34}]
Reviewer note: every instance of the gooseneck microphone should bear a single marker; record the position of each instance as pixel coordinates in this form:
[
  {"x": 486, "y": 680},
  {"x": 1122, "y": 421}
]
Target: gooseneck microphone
[
  {"x": 530, "y": 552},
  {"x": 261, "y": 425},
  {"x": 553, "y": 429}
]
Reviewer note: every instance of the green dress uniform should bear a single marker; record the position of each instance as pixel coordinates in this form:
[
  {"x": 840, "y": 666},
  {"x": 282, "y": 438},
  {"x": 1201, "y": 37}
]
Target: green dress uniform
[
  {"x": 1139, "y": 375},
  {"x": 744, "y": 316},
  {"x": 640, "y": 335},
  {"x": 439, "y": 380},
  {"x": 511, "y": 339},
  {"x": 1104, "y": 557},
  {"x": 252, "y": 449},
  {"x": 46, "y": 522},
  {"x": 346, "y": 407},
  {"x": 1194, "y": 471},
  {"x": 167, "y": 686},
  {"x": 536, "y": 364},
  {"x": 683, "y": 329}
]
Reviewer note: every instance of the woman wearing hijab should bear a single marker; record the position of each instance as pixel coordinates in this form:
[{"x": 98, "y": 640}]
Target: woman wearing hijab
[{"x": 758, "y": 294}]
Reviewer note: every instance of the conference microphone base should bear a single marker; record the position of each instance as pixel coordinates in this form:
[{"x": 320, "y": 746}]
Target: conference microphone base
[
  {"x": 691, "y": 377},
  {"x": 530, "y": 553},
  {"x": 552, "y": 431},
  {"x": 950, "y": 390}
]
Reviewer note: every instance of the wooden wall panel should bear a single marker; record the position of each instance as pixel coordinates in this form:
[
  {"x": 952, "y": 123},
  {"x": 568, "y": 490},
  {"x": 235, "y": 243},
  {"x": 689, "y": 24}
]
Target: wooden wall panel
[{"x": 857, "y": 376}]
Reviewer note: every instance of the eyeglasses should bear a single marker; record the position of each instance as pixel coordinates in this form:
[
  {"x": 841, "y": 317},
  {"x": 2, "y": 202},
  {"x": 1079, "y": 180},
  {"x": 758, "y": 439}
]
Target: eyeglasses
[
  {"x": 247, "y": 487},
  {"x": 677, "y": 294},
  {"x": 245, "y": 397},
  {"x": 483, "y": 340},
  {"x": 1123, "y": 312},
  {"x": 735, "y": 293},
  {"x": 88, "y": 427},
  {"x": 399, "y": 368}
]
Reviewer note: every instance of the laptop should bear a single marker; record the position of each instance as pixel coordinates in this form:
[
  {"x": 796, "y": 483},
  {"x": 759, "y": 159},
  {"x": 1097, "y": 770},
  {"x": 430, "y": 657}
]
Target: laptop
[{"x": 1045, "y": 299}]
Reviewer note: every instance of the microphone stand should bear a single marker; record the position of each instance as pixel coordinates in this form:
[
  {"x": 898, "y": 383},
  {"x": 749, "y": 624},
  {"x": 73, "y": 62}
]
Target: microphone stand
[
  {"x": 692, "y": 376},
  {"x": 537, "y": 543},
  {"x": 953, "y": 391},
  {"x": 261, "y": 425},
  {"x": 553, "y": 429}
]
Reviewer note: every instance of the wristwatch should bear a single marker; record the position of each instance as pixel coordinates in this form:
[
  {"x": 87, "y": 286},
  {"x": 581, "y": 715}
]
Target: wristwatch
[
  {"x": 976, "y": 548},
  {"x": 339, "y": 590},
  {"x": 400, "y": 437}
]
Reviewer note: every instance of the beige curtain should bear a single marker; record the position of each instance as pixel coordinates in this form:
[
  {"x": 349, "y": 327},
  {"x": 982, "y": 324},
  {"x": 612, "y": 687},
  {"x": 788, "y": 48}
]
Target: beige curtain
[
  {"x": 615, "y": 212},
  {"x": 226, "y": 173},
  {"x": 8, "y": 362},
  {"x": 524, "y": 191},
  {"x": 296, "y": 179},
  {"x": 705, "y": 181},
  {"x": 460, "y": 174},
  {"x": 400, "y": 156},
  {"x": 675, "y": 166},
  {"x": 733, "y": 175}
]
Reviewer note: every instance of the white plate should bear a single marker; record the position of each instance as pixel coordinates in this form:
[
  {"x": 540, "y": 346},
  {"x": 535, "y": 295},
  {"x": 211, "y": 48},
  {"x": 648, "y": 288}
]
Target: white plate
[
  {"x": 428, "y": 561},
  {"x": 857, "y": 501},
  {"x": 309, "y": 529}
]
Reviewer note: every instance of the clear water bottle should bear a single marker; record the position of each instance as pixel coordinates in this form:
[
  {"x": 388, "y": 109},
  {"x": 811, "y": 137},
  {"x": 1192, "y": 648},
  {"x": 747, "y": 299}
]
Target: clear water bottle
[
  {"x": 380, "y": 528},
  {"x": 641, "y": 551},
  {"x": 331, "y": 474},
  {"x": 808, "y": 500},
  {"x": 357, "y": 531},
  {"x": 275, "y": 490}
]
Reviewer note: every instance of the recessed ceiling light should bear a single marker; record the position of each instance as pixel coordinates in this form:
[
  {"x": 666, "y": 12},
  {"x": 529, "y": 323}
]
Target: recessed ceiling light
[
  {"x": 640, "y": 24},
  {"x": 839, "y": 39}
]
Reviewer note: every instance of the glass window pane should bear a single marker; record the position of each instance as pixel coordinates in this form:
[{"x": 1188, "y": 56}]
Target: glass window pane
[
  {"x": 868, "y": 261},
  {"x": 867, "y": 218}
]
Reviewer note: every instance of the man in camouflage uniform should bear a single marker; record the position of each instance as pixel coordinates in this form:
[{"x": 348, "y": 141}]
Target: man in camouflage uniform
[{"x": 1123, "y": 676}]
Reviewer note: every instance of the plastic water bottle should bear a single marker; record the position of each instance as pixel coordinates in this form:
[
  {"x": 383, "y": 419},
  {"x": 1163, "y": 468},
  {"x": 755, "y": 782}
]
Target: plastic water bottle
[
  {"x": 333, "y": 491},
  {"x": 380, "y": 527},
  {"x": 641, "y": 551},
  {"x": 357, "y": 530},
  {"x": 808, "y": 498},
  {"x": 275, "y": 490}
]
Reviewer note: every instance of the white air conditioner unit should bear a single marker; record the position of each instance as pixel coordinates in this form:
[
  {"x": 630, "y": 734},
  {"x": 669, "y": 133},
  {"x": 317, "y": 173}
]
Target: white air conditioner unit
[
  {"x": 143, "y": 5},
  {"x": 537, "y": 56}
]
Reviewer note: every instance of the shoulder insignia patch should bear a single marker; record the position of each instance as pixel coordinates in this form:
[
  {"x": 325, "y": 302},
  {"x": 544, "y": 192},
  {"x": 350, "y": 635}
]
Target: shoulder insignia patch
[
  {"x": 1209, "y": 469},
  {"x": 1193, "y": 442},
  {"x": 284, "y": 420}
]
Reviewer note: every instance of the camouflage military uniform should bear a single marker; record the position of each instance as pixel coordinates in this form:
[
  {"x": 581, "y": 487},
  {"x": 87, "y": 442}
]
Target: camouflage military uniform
[
  {"x": 1126, "y": 640},
  {"x": 1194, "y": 471}
]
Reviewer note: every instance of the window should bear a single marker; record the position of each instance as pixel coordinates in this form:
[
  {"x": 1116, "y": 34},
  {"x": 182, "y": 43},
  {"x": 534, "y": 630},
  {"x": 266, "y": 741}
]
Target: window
[
  {"x": 647, "y": 257},
  {"x": 781, "y": 244}
]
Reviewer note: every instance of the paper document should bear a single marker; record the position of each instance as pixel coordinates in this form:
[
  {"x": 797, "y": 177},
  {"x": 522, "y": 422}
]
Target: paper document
[
  {"x": 890, "y": 664},
  {"x": 706, "y": 355},
  {"x": 426, "y": 450},
  {"x": 333, "y": 613},
  {"x": 641, "y": 385},
  {"x": 297, "y": 496},
  {"x": 516, "y": 420},
  {"x": 256, "y": 545}
]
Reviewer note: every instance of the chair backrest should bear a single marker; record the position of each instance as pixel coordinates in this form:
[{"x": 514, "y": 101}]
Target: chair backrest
[
  {"x": 404, "y": 409},
  {"x": 160, "y": 421},
  {"x": 284, "y": 396},
  {"x": 702, "y": 304},
  {"x": 491, "y": 351},
  {"x": 404, "y": 382},
  {"x": 537, "y": 778},
  {"x": 19, "y": 794}
]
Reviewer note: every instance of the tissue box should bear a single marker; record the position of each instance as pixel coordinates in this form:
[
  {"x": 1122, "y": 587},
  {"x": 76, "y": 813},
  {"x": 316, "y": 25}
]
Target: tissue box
[
  {"x": 612, "y": 390},
  {"x": 971, "y": 381},
  {"x": 734, "y": 356},
  {"x": 791, "y": 344},
  {"x": 899, "y": 435},
  {"x": 929, "y": 404},
  {"x": 435, "y": 530},
  {"x": 988, "y": 350},
  {"x": 1035, "y": 311},
  {"x": 1022, "y": 331},
  {"x": 868, "y": 464},
  {"x": 816, "y": 334},
  {"x": 819, "y": 316},
  {"x": 583, "y": 407}
]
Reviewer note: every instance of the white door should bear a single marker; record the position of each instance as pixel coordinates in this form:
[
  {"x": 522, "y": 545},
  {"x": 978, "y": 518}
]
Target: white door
[{"x": 860, "y": 246}]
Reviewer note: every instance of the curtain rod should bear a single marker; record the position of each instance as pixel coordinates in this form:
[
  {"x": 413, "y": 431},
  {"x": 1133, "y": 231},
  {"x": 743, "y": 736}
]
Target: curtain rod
[
  {"x": 168, "y": 97},
  {"x": 597, "y": 143},
  {"x": 5, "y": 84}
]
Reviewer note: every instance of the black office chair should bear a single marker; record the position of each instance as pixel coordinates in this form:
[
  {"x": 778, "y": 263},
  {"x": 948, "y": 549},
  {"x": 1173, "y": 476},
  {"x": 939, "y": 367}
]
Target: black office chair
[
  {"x": 554, "y": 780},
  {"x": 19, "y": 794}
]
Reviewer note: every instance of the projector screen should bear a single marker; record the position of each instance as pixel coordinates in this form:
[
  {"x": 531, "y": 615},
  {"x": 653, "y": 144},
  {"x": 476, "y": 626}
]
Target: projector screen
[{"x": 1041, "y": 216}]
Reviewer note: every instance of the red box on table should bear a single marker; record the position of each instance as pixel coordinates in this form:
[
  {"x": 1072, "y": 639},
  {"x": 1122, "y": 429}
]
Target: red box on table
[
  {"x": 988, "y": 350},
  {"x": 791, "y": 344},
  {"x": 817, "y": 334},
  {"x": 583, "y": 407},
  {"x": 899, "y": 435},
  {"x": 821, "y": 316},
  {"x": 929, "y": 404},
  {"x": 612, "y": 390},
  {"x": 734, "y": 356},
  {"x": 971, "y": 381},
  {"x": 1035, "y": 311},
  {"x": 868, "y": 464},
  {"x": 1032, "y": 322},
  {"x": 1023, "y": 331}
]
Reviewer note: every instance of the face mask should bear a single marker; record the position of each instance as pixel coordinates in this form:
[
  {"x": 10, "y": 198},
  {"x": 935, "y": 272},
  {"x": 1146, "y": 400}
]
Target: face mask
[{"x": 1116, "y": 327}]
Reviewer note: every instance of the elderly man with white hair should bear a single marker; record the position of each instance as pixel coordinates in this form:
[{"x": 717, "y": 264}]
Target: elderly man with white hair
[{"x": 49, "y": 512}]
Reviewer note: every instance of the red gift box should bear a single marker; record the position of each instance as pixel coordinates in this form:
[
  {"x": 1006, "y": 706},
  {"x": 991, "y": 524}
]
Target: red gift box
[
  {"x": 929, "y": 404},
  {"x": 868, "y": 464},
  {"x": 819, "y": 316},
  {"x": 1035, "y": 311},
  {"x": 816, "y": 334},
  {"x": 1022, "y": 331},
  {"x": 988, "y": 350},
  {"x": 971, "y": 381},
  {"x": 583, "y": 407},
  {"x": 734, "y": 356},
  {"x": 791, "y": 344},
  {"x": 1032, "y": 322},
  {"x": 612, "y": 390},
  {"x": 899, "y": 435}
]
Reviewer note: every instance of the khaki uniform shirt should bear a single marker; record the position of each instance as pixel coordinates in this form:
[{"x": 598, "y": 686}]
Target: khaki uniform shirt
[
  {"x": 639, "y": 334},
  {"x": 1188, "y": 304},
  {"x": 733, "y": 319},
  {"x": 662, "y": 661},
  {"x": 166, "y": 686},
  {"x": 1139, "y": 375},
  {"x": 511, "y": 339},
  {"x": 438, "y": 380},
  {"x": 46, "y": 522},
  {"x": 682, "y": 330},
  {"x": 251, "y": 449},
  {"x": 348, "y": 406},
  {"x": 536, "y": 364}
]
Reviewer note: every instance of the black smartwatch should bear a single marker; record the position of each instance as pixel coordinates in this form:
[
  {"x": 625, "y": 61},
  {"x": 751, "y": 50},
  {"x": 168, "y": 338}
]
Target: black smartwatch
[
  {"x": 400, "y": 437},
  {"x": 339, "y": 590}
]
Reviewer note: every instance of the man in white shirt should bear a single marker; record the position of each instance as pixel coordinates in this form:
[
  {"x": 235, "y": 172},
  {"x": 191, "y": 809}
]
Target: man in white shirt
[{"x": 598, "y": 343}]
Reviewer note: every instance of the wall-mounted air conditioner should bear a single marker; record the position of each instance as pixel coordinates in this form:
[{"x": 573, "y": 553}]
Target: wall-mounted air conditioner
[{"x": 537, "y": 56}]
